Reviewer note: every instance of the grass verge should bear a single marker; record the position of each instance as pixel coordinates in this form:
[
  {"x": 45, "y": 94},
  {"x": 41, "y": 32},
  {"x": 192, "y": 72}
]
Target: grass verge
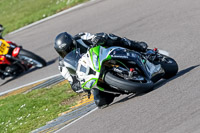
[
  {"x": 15, "y": 14},
  {"x": 26, "y": 112}
]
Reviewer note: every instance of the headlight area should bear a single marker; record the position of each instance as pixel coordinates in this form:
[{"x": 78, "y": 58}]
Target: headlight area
[{"x": 95, "y": 61}]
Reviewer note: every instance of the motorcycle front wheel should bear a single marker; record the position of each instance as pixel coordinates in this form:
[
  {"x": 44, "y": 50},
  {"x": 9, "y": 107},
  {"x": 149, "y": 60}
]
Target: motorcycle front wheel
[
  {"x": 127, "y": 86},
  {"x": 102, "y": 98},
  {"x": 32, "y": 58}
]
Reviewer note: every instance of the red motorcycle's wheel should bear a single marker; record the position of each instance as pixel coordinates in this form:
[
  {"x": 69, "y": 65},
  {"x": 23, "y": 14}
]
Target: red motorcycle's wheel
[{"x": 32, "y": 58}]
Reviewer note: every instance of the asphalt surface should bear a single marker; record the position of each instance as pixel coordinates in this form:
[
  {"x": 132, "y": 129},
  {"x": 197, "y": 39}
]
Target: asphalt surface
[{"x": 171, "y": 25}]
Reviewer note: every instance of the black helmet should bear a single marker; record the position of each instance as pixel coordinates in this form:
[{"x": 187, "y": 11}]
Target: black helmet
[{"x": 63, "y": 44}]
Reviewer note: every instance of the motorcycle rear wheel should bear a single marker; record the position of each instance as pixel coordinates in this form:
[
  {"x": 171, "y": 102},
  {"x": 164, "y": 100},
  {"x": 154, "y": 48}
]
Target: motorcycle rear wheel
[
  {"x": 170, "y": 67},
  {"x": 32, "y": 58}
]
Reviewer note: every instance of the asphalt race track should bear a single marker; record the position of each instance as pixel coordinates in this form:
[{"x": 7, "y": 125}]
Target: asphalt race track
[{"x": 171, "y": 25}]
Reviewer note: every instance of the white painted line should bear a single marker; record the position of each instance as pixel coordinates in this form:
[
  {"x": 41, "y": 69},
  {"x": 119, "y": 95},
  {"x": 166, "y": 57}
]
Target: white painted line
[
  {"x": 76, "y": 120},
  {"x": 50, "y": 17},
  {"x": 5, "y": 92}
]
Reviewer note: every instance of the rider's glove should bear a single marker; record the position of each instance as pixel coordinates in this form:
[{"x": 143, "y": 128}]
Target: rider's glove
[
  {"x": 99, "y": 39},
  {"x": 76, "y": 86}
]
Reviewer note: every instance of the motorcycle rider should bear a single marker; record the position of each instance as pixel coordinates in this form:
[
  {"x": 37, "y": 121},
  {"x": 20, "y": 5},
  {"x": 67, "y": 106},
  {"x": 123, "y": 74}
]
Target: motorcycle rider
[
  {"x": 6, "y": 69},
  {"x": 64, "y": 43},
  {"x": 1, "y": 31}
]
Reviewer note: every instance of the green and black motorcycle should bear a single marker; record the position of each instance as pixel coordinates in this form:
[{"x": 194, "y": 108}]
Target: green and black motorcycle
[{"x": 117, "y": 70}]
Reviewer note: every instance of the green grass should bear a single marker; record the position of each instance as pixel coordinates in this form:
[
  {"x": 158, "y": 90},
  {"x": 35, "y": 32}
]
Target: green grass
[
  {"x": 26, "y": 112},
  {"x": 15, "y": 14}
]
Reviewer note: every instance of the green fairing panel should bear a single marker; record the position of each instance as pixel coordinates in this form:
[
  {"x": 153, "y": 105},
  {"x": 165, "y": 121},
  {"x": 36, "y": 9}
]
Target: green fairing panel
[
  {"x": 100, "y": 88},
  {"x": 89, "y": 84},
  {"x": 96, "y": 50},
  {"x": 92, "y": 82}
]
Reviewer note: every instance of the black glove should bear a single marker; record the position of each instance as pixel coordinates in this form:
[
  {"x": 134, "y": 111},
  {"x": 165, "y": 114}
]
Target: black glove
[
  {"x": 99, "y": 39},
  {"x": 76, "y": 86}
]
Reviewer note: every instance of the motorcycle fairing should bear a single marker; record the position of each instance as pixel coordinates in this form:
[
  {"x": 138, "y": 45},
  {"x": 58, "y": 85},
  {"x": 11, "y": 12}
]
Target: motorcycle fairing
[
  {"x": 89, "y": 65},
  {"x": 150, "y": 70},
  {"x": 94, "y": 59},
  {"x": 4, "y": 60},
  {"x": 16, "y": 52},
  {"x": 71, "y": 61},
  {"x": 4, "y": 47}
]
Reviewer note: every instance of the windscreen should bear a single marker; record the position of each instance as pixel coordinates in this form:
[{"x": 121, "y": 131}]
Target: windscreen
[{"x": 72, "y": 59}]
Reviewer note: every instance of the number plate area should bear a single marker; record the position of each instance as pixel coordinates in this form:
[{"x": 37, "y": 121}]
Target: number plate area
[{"x": 4, "y": 47}]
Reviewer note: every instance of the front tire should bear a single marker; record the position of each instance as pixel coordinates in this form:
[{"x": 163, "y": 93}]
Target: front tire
[
  {"x": 32, "y": 58},
  {"x": 127, "y": 86},
  {"x": 101, "y": 98}
]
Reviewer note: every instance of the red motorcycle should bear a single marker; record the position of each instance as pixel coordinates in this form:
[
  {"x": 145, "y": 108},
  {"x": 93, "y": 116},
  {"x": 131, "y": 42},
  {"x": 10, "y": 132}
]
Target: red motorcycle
[{"x": 14, "y": 59}]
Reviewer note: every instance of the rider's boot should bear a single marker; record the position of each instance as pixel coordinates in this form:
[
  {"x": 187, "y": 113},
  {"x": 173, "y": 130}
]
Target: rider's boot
[{"x": 134, "y": 45}]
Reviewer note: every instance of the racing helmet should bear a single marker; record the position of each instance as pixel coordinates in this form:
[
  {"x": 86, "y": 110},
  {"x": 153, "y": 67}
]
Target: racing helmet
[{"x": 63, "y": 44}]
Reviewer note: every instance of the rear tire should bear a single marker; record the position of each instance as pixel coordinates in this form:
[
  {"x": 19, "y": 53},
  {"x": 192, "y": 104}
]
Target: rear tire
[
  {"x": 170, "y": 67},
  {"x": 40, "y": 62}
]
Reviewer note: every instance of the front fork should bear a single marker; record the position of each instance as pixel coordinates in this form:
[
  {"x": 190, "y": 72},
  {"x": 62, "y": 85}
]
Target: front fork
[{"x": 122, "y": 71}]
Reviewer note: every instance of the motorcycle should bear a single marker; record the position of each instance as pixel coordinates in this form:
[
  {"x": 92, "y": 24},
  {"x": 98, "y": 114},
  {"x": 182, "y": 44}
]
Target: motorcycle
[
  {"x": 15, "y": 60},
  {"x": 110, "y": 72}
]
